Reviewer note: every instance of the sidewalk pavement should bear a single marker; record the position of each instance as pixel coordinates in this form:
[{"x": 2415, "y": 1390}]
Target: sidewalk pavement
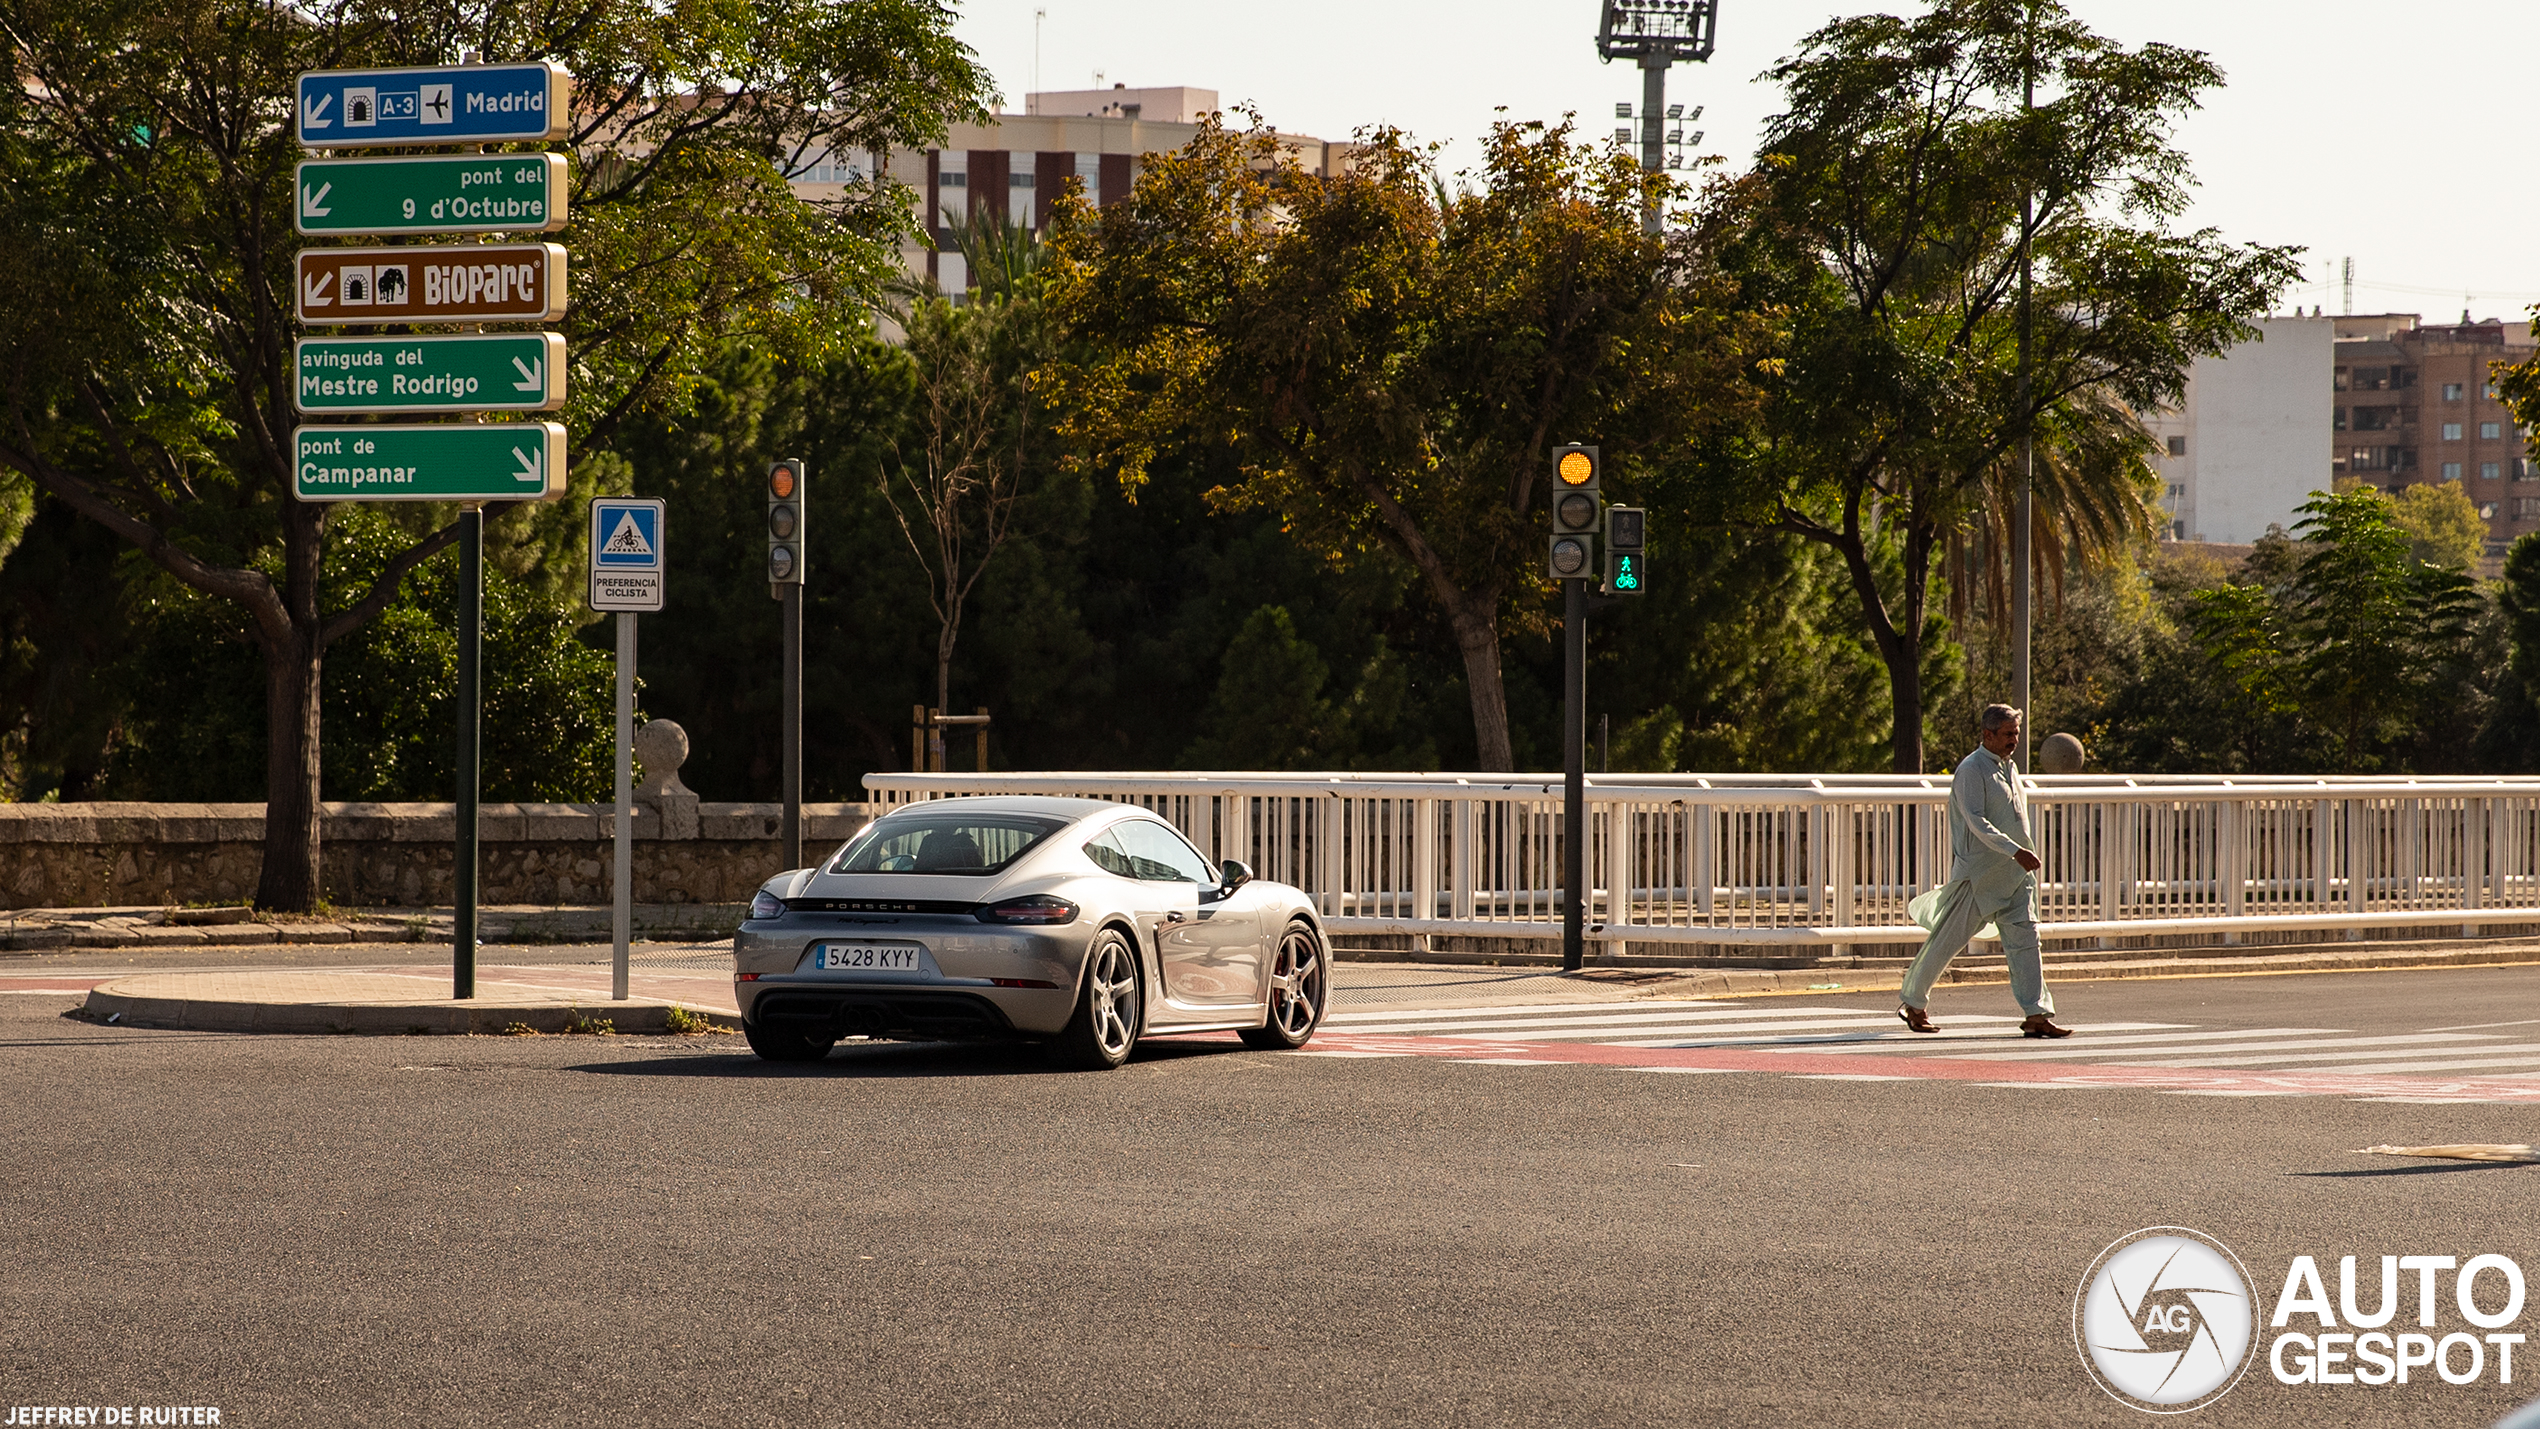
[{"x": 46, "y": 929}]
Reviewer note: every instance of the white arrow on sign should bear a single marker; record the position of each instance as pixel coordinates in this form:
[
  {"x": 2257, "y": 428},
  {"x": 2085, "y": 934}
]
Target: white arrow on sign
[
  {"x": 309, "y": 201},
  {"x": 317, "y": 113},
  {"x": 533, "y": 375},
  {"x": 533, "y": 467},
  {"x": 313, "y": 292}
]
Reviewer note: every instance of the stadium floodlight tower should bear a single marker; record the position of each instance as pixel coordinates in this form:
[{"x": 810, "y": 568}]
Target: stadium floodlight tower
[{"x": 1658, "y": 33}]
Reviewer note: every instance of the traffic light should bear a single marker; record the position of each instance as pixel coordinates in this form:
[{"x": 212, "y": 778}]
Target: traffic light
[
  {"x": 785, "y": 522},
  {"x": 1626, "y": 546},
  {"x": 1577, "y": 512}
]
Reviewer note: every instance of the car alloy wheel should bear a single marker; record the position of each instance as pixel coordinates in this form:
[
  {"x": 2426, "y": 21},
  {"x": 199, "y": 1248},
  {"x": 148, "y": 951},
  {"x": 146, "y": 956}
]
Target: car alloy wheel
[
  {"x": 1300, "y": 981},
  {"x": 1106, "y": 1023}
]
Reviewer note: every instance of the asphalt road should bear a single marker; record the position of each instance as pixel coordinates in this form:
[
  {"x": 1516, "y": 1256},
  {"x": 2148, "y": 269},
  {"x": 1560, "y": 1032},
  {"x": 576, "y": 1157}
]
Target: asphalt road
[{"x": 665, "y": 1231}]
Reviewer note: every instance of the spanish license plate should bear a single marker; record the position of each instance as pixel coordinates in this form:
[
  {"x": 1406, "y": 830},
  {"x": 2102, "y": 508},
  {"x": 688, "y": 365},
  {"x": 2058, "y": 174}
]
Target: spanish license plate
[{"x": 868, "y": 957}]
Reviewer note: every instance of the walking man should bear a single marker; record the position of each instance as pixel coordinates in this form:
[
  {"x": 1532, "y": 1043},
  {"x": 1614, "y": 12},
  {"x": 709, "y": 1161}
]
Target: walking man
[{"x": 1993, "y": 880}]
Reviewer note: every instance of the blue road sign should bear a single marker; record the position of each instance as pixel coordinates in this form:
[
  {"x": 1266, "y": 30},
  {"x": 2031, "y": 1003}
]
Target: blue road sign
[
  {"x": 626, "y": 553},
  {"x": 456, "y": 104}
]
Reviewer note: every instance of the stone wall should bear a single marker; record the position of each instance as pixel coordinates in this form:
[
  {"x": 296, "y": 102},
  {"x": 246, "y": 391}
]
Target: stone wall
[{"x": 399, "y": 855}]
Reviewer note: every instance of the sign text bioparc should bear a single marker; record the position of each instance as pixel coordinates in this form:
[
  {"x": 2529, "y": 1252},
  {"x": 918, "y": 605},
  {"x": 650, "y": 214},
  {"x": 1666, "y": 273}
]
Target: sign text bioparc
[{"x": 451, "y": 282}]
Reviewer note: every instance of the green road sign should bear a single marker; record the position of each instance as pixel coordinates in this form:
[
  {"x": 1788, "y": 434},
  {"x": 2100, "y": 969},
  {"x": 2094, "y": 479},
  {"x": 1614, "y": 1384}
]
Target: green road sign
[
  {"x": 467, "y": 461},
  {"x": 456, "y": 193},
  {"x": 497, "y": 372}
]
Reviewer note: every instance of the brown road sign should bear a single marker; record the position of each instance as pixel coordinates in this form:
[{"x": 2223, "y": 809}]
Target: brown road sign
[{"x": 447, "y": 282}]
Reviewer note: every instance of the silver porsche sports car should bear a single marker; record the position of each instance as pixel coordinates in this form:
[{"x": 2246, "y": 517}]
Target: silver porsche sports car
[{"x": 1073, "y": 921}]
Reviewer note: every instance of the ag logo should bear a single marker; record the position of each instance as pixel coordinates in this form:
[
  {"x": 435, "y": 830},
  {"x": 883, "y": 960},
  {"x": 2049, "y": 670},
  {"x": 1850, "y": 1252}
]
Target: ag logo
[{"x": 2164, "y": 1320}]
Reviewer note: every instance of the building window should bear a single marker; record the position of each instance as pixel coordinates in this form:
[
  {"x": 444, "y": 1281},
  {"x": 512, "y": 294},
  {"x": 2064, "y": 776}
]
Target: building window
[
  {"x": 2451, "y": 431},
  {"x": 2340, "y": 424},
  {"x": 2526, "y": 507},
  {"x": 2339, "y": 381},
  {"x": 1089, "y": 173},
  {"x": 2371, "y": 379},
  {"x": 2178, "y": 446},
  {"x": 2487, "y": 511},
  {"x": 2490, "y": 431},
  {"x": 2491, "y": 391},
  {"x": 952, "y": 274},
  {"x": 2451, "y": 471},
  {"x": 2489, "y": 471},
  {"x": 2373, "y": 419},
  {"x": 2522, "y": 468},
  {"x": 2451, "y": 391},
  {"x": 1021, "y": 179}
]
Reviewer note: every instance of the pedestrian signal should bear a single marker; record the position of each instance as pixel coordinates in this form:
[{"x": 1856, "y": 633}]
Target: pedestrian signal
[{"x": 1626, "y": 547}]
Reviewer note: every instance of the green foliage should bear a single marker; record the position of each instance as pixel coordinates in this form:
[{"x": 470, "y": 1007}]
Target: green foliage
[
  {"x": 1885, "y": 219},
  {"x": 2337, "y": 652},
  {"x": 1270, "y": 711},
  {"x": 2442, "y": 524},
  {"x": 2509, "y": 742},
  {"x": 146, "y": 200},
  {"x": 1388, "y": 364},
  {"x": 194, "y": 726}
]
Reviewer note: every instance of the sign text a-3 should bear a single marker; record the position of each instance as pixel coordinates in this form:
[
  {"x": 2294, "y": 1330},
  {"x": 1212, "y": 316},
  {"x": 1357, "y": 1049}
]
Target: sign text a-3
[
  {"x": 442, "y": 104},
  {"x": 459, "y": 461},
  {"x": 477, "y": 372},
  {"x": 441, "y": 193}
]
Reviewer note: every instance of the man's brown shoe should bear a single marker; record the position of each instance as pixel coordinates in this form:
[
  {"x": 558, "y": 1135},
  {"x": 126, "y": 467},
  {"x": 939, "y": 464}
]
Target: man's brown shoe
[
  {"x": 2043, "y": 1026},
  {"x": 1916, "y": 1020}
]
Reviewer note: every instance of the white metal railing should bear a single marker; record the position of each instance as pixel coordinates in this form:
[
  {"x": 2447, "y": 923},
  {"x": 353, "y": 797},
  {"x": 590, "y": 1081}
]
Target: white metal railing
[{"x": 1833, "y": 859}]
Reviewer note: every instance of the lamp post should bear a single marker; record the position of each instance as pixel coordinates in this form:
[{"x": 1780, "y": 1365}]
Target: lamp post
[{"x": 1657, "y": 33}]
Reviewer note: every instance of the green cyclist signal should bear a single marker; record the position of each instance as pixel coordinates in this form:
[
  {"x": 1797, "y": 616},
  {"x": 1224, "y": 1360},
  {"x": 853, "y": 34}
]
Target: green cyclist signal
[{"x": 1623, "y": 572}]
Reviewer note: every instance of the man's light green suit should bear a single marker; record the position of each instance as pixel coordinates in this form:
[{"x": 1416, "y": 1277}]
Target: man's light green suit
[{"x": 1988, "y": 827}]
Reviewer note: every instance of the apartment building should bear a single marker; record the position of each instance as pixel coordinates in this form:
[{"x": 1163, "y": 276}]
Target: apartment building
[
  {"x": 1016, "y": 165},
  {"x": 2382, "y": 398},
  {"x": 2250, "y": 441},
  {"x": 2419, "y": 403}
]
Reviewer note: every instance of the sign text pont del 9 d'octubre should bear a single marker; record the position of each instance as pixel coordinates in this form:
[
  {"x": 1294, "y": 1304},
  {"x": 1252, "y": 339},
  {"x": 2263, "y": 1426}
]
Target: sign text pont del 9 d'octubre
[{"x": 457, "y": 194}]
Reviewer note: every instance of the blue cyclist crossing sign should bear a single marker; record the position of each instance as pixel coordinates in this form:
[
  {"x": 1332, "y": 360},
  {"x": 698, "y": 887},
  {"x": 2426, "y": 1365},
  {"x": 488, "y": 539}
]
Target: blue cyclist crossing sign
[
  {"x": 447, "y": 104},
  {"x": 626, "y": 553}
]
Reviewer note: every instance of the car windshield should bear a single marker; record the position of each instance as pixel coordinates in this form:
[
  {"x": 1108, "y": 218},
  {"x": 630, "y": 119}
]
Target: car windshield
[{"x": 948, "y": 843}]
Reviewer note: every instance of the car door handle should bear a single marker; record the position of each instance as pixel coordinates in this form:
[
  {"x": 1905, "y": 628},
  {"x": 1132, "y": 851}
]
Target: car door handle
[{"x": 1174, "y": 917}]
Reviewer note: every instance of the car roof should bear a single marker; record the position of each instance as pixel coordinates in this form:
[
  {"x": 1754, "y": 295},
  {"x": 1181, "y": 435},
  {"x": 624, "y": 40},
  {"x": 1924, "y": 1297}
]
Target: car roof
[{"x": 1045, "y": 805}]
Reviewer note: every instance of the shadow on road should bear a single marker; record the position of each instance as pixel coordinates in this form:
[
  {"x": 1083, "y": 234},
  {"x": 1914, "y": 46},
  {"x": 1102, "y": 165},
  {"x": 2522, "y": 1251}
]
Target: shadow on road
[
  {"x": 2416, "y": 1170},
  {"x": 899, "y": 1059}
]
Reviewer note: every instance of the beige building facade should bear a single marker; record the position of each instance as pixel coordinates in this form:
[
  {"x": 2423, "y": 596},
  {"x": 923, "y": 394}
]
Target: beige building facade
[{"x": 1016, "y": 165}]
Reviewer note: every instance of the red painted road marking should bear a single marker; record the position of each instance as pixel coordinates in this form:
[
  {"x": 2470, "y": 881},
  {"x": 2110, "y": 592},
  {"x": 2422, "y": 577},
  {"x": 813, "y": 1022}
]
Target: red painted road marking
[
  {"x": 31, "y": 983},
  {"x": 2056, "y": 1074}
]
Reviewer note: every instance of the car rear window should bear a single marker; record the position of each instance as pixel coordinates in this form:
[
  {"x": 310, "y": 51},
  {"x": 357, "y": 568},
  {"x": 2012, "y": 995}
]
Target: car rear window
[{"x": 968, "y": 845}]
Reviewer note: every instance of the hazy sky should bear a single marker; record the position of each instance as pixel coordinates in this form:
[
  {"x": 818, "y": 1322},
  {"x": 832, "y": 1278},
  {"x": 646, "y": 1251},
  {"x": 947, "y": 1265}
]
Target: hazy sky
[{"x": 2377, "y": 131}]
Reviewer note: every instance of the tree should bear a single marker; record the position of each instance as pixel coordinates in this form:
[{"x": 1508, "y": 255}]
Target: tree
[
  {"x": 2510, "y": 741},
  {"x": 1886, "y": 215},
  {"x": 1392, "y": 364},
  {"x": 978, "y": 437},
  {"x": 145, "y": 322},
  {"x": 2375, "y": 626},
  {"x": 2441, "y": 522}
]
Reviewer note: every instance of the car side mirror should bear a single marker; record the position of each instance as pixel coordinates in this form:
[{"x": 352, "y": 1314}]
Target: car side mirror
[{"x": 1233, "y": 874}]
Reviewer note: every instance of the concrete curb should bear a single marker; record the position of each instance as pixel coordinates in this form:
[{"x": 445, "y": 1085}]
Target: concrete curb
[{"x": 134, "y": 1003}]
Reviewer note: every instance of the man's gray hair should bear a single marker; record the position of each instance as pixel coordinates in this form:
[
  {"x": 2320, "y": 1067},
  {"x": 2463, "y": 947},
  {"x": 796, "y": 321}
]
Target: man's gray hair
[{"x": 1997, "y": 717}]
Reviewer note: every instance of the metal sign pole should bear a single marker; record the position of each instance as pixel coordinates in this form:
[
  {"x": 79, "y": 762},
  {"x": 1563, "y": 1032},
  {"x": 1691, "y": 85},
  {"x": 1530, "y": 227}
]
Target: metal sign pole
[
  {"x": 793, "y": 698},
  {"x": 1573, "y": 774},
  {"x": 622, "y": 917},
  {"x": 471, "y": 721}
]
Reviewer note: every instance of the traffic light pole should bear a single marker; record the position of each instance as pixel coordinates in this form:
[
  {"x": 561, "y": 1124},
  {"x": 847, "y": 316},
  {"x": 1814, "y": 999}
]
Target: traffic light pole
[
  {"x": 1574, "y": 896},
  {"x": 793, "y": 698}
]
